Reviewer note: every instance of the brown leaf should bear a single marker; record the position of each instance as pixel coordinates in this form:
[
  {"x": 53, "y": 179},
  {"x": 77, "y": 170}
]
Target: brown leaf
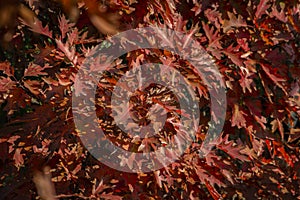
[
  {"x": 18, "y": 158},
  {"x": 233, "y": 22}
]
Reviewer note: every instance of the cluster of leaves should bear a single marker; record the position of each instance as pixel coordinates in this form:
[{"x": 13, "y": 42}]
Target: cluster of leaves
[{"x": 255, "y": 46}]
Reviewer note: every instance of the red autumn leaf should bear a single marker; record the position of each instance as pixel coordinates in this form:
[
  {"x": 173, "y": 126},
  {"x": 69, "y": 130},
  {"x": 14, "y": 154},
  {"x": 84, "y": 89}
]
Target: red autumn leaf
[
  {"x": 213, "y": 37},
  {"x": 197, "y": 8},
  {"x": 244, "y": 44},
  {"x": 262, "y": 118},
  {"x": 12, "y": 139},
  {"x": 295, "y": 89},
  {"x": 206, "y": 176},
  {"x": 277, "y": 125},
  {"x": 73, "y": 37},
  {"x": 233, "y": 151},
  {"x": 147, "y": 144},
  {"x": 44, "y": 54},
  {"x": 64, "y": 25},
  {"x": 279, "y": 150},
  {"x": 6, "y": 68},
  {"x": 18, "y": 158},
  {"x": 33, "y": 86},
  {"x": 261, "y": 8},
  {"x": 277, "y": 80},
  {"x": 35, "y": 70},
  {"x": 234, "y": 55},
  {"x": 211, "y": 33},
  {"x": 246, "y": 81},
  {"x": 38, "y": 27},
  {"x": 99, "y": 188},
  {"x": 158, "y": 178},
  {"x": 279, "y": 15},
  {"x": 6, "y": 84},
  {"x": 238, "y": 117},
  {"x": 213, "y": 15},
  {"x": 68, "y": 50},
  {"x": 212, "y": 191}
]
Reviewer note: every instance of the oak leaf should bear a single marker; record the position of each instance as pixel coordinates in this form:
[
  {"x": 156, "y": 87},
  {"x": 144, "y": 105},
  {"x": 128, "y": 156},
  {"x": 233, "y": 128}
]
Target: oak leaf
[{"x": 233, "y": 22}]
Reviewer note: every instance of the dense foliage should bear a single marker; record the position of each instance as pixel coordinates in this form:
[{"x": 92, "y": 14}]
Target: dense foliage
[{"x": 255, "y": 45}]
